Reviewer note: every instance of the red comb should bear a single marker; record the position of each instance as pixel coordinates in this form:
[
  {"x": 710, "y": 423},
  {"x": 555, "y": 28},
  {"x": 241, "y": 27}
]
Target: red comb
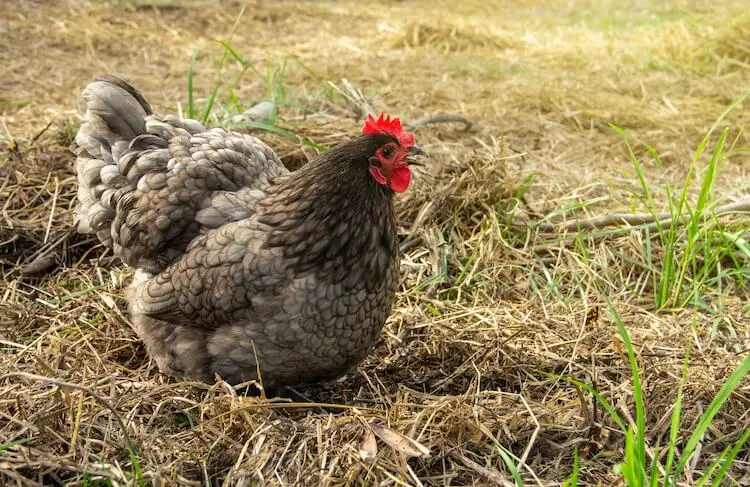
[{"x": 387, "y": 125}]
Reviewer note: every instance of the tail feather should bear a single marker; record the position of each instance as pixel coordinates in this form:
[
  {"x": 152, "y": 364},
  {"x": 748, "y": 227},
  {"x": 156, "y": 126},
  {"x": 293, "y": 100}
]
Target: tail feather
[
  {"x": 117, "y": 104},
  {"x": 145, "y": 181},
  {"x": 114, "y": 114}
]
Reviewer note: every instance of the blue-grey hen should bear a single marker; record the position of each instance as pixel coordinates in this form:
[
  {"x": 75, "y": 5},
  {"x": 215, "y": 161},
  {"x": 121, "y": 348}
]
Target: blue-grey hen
[{"x": 241, "y": 265}]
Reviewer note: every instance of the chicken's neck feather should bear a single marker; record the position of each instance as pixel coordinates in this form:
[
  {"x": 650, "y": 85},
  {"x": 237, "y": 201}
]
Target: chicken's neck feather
[{"x": 331, "y": 213}]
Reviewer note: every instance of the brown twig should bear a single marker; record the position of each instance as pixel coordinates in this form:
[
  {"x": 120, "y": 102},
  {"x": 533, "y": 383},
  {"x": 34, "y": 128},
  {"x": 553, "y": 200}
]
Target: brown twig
[
  {"x": 441, "y": 118},
  {"x": 630, "y": 219},
  {"x": 46, "y": 256},
  {"x": 41, "y": 132}
]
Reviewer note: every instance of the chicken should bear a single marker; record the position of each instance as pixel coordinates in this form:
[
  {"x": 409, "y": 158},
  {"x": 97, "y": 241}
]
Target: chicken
[{"x": 242, "y": 269}]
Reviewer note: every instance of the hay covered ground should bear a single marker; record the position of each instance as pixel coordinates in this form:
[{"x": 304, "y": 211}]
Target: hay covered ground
[{"x": 493, "y": 320}]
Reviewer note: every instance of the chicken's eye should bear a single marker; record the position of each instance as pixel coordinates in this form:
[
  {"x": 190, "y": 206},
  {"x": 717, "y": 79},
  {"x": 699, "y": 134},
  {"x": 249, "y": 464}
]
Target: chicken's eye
[{"x": 387, "y": 152}]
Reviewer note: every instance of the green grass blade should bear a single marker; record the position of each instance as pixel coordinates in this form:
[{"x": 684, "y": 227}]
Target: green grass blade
[
  {"x": 722, "y": 472},
  {"x": 695, "y": 229},
  {"x": 227, "y": 51},
  {"x": 663, "y": 288},
  {"x": 508, "y": 461},
  {"x": 705, "y": 421},
  {"x": 674, "y": 428},
  {"x": 709, "y": 178},
  {"x": 572, "y": 481},
  {"x": 721, "y": 118},
  {"x": 284, "y": 133},
  {"x": 683, "y": 274},
  {"x": 210, "y": 104},
  {"x": 736, "y": 240},
  {"x": 13, "y": 444},
  {"x": 629, "y": 467},
  {"x": 231, "y": 51},
  {"x": 654, "y": 476},
  {"x": 137, "y": 471},
  {"x": 640, "y": 410},
  {"x": 710, "y": 470}
]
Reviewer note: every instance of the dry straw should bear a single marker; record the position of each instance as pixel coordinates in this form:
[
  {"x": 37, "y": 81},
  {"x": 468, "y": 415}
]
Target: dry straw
[{"x": 488, "y": 316}]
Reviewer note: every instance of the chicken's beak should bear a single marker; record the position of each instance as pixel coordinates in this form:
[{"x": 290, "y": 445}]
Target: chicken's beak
[{"x": 413, "y": 152}]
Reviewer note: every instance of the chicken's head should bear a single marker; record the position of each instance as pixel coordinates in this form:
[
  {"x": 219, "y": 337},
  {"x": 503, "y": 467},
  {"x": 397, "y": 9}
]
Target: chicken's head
[{"x": 389, "y": 165}]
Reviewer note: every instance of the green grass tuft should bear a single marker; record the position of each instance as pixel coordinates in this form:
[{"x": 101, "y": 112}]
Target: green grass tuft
[
  {"x": 635, "y": 464},
  {"x": 694, "y": 254}
]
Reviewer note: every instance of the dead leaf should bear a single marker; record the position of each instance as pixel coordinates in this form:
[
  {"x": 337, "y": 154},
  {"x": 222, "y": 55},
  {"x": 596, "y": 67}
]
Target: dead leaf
[
  {"x": 592, "y": 317},
  {"x": 400, "y": 443},
  {"x": 368, "y": 448},
  {"x": 41, "y": 264}
]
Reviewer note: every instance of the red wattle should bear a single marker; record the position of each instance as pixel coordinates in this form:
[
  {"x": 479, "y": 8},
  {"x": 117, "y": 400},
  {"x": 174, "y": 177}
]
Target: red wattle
[{"x": 400, "y": 179}]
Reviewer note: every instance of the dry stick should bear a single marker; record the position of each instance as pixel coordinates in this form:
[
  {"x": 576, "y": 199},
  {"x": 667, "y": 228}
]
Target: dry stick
[
  {"x": 41, "y": 132},
  {"x": 357, "y": 98},
  {"x": 12, "y": 474},
  {"x": 441, "y": 118},
  {"x": 619, "y": 219},
  {"x": 45, "y": 257},
  {"x": 77, "y": 387}
]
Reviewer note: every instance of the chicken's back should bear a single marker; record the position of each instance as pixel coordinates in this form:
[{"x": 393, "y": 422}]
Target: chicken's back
[{"x": 149, "y": 185}]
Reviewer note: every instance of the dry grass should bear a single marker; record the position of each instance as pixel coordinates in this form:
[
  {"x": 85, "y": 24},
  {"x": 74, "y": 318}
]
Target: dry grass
[
  {"x": 487, "y": 315},
  {"x": 448, "y": 37}
]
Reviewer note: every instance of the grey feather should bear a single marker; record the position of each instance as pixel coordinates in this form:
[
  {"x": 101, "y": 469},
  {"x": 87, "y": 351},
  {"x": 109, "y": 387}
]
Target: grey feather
[
  {"x": 240, "y": 265},
  {"x": 135, "y": 168}
]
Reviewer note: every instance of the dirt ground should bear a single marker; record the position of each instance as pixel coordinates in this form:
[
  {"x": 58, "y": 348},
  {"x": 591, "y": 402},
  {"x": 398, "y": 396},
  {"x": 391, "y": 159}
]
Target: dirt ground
[{"x": 493, "y": 319}]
